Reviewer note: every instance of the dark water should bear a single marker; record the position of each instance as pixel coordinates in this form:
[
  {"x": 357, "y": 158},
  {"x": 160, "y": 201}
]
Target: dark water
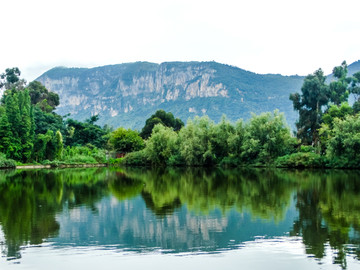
[{"x": 179, "y": 218}]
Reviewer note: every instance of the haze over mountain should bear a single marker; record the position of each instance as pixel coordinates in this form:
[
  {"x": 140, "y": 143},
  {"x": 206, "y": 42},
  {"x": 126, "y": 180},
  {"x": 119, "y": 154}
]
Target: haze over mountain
[{"x": 127, "y": 94}]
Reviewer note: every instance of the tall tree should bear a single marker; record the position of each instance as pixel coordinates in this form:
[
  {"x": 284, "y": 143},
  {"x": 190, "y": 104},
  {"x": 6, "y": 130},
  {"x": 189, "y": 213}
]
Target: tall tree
[
  {"x": 314, "y": 95},
  {"x": 339, "y": 89},
  {"x": 6, "y": 136},
  {"x": 42, "y": 97},
  {"x": 161, "y": 117},
  {"x": 59, "y": 145},
  {"x": 10, "y": 79},
  {"x": 355, "y": 90}
]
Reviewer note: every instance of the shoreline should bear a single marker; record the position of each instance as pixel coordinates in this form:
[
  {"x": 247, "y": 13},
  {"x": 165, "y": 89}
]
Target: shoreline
[{"x": 61, "y": 166}]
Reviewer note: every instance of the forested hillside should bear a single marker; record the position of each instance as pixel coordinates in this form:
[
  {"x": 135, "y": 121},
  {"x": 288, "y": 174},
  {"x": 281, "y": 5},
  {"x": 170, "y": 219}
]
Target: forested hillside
[{"x": 127, "y": 94}]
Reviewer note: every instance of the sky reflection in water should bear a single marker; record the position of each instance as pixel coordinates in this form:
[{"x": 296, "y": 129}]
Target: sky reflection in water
[{"x": 218, "y": 218}]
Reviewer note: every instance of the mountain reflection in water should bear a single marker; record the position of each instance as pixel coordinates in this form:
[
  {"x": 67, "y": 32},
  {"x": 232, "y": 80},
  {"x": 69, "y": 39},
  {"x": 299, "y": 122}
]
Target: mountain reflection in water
[{"x": 180, "y": 210}]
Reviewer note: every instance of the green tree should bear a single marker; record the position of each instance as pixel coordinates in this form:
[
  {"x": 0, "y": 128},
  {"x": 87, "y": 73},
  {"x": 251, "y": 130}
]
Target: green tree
[
  {"x": 344, "y": 142},
  {"x": 6, "y": 136},
  {"x": 326, "y": 129},
  {"x": 45, "y": 121},
  {"x": 82, "y": 133},
  {"x": 161, "y": 117},
  {"x": 220, "y": 141},
  {"x": 43, "y": 146},
  {"x": 20, "y": 117},
  {"x": 59, "y": 145},
  {"x": 355, "y": 90},
  {"x": 25, "y": 126},
  {"x": 314, "y": 95},
  {"x": 161, "y": 145},
  {"x": 266, "y": 137},
  {"x": 339, "y": 89},
  {"x": 10, "y": 79},
  {"x": 125, "y": 141},
  {"x": 195, "y": 142},
  {"x": 42, "y": 97},
  {"x": 236, "y": 140}
]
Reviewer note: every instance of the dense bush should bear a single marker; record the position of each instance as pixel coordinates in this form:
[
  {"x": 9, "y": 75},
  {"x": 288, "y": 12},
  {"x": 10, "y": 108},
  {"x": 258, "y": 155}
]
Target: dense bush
[
  {"x": 138, "y": 158},
  {"x": 203, "y": 143},
  {"x": 125, "y": 141},
  {"x": 83, "y": 154},
  {"x": 115, "y": 161},
  {"x": 302, "y": 160},
  {"x": 343, "y": 145},
  {"x": 266, "y": 138},
  {"x": 6, "y": 163}
]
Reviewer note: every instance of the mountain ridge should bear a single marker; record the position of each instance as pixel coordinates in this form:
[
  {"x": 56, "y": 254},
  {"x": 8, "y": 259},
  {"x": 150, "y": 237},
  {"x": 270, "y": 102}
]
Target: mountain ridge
[{"x": 126, "y": 94}]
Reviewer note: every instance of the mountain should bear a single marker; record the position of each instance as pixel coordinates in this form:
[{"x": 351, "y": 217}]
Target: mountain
[{"x": 127, "y": 94}]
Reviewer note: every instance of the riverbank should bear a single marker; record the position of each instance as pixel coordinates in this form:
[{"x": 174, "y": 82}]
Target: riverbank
[{"x": 61, "y": 166}]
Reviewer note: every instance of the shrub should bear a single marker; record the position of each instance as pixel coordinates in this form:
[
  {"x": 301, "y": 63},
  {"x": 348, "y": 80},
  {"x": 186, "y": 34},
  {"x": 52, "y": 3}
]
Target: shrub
[
  {"x": 301, "y": 160},
  {"x": 84, "y": 154},
  {"x": 6, "y": 163},
  {"x": 116, "y": 161},
  {"x": 79, "y": 159},
  {"x": 52, "y": 163},
  {"x": 137, "y": 158},
  {"x": 231, "y": 161}
]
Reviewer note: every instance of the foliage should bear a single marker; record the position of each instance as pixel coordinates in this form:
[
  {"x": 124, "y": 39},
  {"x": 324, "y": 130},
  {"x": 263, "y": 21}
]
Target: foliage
[
  {"x": 355, "y": 90},
  {"x": 17, "y": 125},
  {"x": 44, "y": 147},
  {"x": 83, "y": 154},
  {"x": 82, "y": 133},
  {"x": 326, "y": 128},
  {"x": 5, "y": 162},
  {"x": 10, "y": 79},
  {"x": 314, "y": 95},
  {"x": 42, "y": 97},
  {"x": 236, "y": 140},
  {"x": 47, "y": 121},
  {"x": 339, "y": 89},
  {"x": 203, "y": 143},
  {"x": 138, "y": 158},
  {"x": 161, "y": 117},
  {"x": 344, "y": 142},
  {"x": 301, "y": 160},
  {"x": 266, "y": 137},
  {"x": 125, "y": 141},
  {"x": 115, "y": 161},
  {"x": 59, "y": 145},
  {"x": 161, "y": 145},
  {"x": 195, "y": 142},
  {"x": 336, "y": 111}
]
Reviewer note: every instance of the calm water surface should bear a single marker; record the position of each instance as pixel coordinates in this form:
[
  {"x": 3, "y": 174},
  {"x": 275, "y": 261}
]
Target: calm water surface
[{"x": 179, "y": 218}]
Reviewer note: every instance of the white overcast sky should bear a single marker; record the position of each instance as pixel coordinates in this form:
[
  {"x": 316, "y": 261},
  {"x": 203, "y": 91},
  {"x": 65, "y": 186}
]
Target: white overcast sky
[{"x": 263, "y": 36}]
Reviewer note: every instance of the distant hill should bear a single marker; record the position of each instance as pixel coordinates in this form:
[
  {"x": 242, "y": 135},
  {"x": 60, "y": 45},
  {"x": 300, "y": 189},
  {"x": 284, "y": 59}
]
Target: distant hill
[{"x": 127, "y": 94}]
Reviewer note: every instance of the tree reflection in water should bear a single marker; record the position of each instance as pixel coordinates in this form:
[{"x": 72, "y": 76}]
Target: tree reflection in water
[{"x": 328, "y": 202}]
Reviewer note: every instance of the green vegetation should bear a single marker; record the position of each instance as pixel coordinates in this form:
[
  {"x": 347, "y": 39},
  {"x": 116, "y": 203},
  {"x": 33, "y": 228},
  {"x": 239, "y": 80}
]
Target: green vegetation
[
  {"x": 30, "y": 132},
  {"x": 203, "y": 143},
  {"x": 327, "y": 121},
  {"x": 126, "y": 141},
  {"x": 327, "y": 131},
  {"x": 161, "y": 117}
]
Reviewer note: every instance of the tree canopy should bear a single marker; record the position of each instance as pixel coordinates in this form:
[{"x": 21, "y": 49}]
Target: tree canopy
[
  {"x": 161, "y": 117},
  {"x": 314, "y": 95}
]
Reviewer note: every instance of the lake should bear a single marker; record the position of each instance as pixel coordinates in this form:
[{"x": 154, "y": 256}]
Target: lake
[{"x": 195, "y": 218}]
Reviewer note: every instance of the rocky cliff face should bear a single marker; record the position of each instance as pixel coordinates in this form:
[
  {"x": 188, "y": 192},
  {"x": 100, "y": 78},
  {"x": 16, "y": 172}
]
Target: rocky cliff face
[{"x": 126, "y": 94}]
